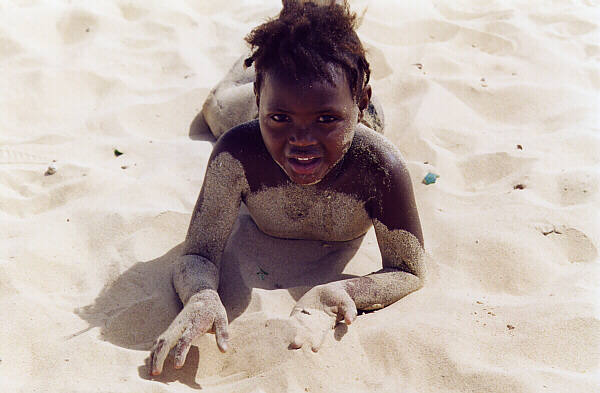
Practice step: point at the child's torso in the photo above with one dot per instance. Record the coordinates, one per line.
(335, 209)
(306, 212)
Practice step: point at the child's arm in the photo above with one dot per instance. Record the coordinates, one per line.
(400, 240)
(196, 273)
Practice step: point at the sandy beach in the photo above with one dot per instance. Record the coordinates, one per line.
(500, 99)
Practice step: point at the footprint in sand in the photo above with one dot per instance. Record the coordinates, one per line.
(432, 31)
(27, 191)
(455, 141)
(564, 25)
(409, 33)
(592, 50)
(10, 156)
(567, 188)
(578, 247)
(132, 13)
(76, 26)
(576, 187)
(472, 12)
(481, 170)
(8, 46)
(379, 64)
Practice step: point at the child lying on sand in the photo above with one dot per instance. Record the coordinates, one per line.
(306, 169)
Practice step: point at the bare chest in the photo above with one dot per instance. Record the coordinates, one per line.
(305, 212)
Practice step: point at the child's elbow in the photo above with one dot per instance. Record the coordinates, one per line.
(421, 275)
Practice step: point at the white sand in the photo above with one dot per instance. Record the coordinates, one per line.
(512, 304)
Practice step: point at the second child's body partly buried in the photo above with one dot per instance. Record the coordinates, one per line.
(306, 169)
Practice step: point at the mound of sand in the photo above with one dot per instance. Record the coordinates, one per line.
(498, 98)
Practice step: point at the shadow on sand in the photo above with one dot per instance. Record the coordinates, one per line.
(133, 310)
(200, 131)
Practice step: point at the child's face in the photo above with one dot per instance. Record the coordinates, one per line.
(307, 125)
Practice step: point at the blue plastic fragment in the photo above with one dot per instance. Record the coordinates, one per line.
(261, 273)
(430, 178)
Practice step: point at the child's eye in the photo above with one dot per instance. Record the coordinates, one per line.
(326, 119)
(279, 118)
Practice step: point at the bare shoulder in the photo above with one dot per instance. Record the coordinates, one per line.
(239, 141)
(245, 145)
(385, 181)
(374, 152)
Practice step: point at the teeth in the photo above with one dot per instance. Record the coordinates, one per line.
(304, 159)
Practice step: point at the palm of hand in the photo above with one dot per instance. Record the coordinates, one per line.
(318, 311)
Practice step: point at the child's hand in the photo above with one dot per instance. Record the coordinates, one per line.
(203, 313)
(318, 311)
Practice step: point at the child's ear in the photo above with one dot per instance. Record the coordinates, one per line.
(364, 100)
(257, 95)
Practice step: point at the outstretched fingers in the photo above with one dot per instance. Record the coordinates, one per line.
(348, 312)
(183, 347)
(158, 356)
(221, 332)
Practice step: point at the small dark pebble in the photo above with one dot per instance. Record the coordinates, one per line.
(510, 327)
(117, 153)
(124, 167)
(520, 147)
(519, 187)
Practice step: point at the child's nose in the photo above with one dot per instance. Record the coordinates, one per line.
(302, 137)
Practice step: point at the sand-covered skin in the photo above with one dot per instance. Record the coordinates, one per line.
(499, 99)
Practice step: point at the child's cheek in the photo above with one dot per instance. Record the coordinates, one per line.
(346, 134)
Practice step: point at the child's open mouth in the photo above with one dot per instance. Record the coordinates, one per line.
(304, 165)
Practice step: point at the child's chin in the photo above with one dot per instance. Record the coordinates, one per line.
(304, 180)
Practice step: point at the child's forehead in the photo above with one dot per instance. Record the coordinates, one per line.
(335, 77)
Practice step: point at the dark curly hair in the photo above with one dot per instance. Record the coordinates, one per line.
(304, 38)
